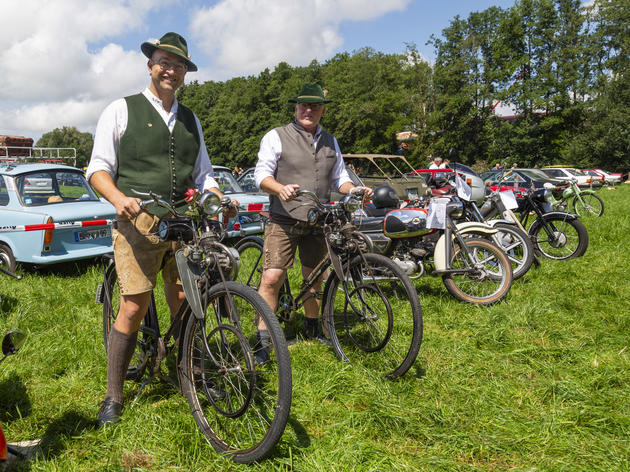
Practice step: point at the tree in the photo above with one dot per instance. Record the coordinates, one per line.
(69, 137)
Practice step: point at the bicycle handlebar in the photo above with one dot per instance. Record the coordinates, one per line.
(155, 199)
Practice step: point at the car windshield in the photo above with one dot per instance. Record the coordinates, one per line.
(227, 182)
(44, 188)
(535, 174)
(575, 172)
(463, 168)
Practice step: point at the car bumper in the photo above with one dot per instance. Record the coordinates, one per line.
(52, 258)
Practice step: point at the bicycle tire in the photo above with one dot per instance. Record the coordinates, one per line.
(368, 328)
(569, 239)
(147, 336)
(518, 247)
(240, 407)
(251, 268)
(485, 288)
(590, 205)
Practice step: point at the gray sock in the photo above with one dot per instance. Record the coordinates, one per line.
(120, 349)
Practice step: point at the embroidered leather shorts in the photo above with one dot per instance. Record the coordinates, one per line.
(281, 241)
(140, 255)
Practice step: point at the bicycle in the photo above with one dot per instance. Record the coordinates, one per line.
(362, 293)
(241, 407)
(582, 202)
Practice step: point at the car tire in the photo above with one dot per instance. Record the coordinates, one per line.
(7, 261)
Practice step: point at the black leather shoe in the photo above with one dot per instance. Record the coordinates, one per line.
(109, 413)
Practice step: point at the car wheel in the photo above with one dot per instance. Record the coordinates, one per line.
(7, 261)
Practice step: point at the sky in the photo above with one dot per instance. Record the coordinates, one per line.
(63, 61)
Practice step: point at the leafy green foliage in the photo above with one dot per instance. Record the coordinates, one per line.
(69, 137)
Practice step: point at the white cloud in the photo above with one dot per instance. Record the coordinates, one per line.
(53, 76)
(245, 36)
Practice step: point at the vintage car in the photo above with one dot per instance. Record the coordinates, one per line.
(251, 204)
(32, 194)
(524, 178)
(609, 178)
(569, 173)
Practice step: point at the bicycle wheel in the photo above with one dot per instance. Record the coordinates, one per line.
(562, 238)
(589, 205)
(488, 281)
(374, 316)
(517, 246)
(147, 335)
(242, 408)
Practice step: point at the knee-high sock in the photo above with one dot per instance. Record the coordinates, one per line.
(120, 349)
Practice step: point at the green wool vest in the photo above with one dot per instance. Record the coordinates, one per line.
(151, 158)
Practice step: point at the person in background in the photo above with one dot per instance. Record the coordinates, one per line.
(299, 155)
(436, 163)
(146, 142)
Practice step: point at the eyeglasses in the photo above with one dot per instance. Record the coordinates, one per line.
(166, 65)
(312, 106)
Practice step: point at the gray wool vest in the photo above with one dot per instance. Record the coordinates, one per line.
(300, 163)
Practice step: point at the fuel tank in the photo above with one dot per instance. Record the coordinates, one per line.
(406, 223)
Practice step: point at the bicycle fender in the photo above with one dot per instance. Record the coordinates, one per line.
(189, 274)
(469, 227)
(494, 222)
(563, 215)
(256, 239)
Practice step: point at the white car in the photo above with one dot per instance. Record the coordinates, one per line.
(569, 173)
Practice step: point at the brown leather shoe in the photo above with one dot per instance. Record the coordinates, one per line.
(109, 413)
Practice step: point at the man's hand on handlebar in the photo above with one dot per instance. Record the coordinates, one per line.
(288, 192)
(366, 192)
(127, 207)
(232, 210)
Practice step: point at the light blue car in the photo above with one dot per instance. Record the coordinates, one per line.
(50, 193)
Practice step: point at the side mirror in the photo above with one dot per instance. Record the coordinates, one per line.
(12, 342)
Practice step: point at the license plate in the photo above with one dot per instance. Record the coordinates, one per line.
(91, 234)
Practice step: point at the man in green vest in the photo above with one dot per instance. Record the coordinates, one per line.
(300, 155)
(146, 142)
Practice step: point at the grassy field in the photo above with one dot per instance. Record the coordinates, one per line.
(538, 382)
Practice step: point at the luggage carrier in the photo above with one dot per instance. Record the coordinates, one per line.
(22, 155)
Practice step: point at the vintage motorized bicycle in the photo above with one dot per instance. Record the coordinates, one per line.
(239, 405)
(11, 344)
(370, 308)
(579, 201)
(472, 267)
(555, 234)
(512, 237)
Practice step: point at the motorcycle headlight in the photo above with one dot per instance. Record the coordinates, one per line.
(210, 203)
(455, 208)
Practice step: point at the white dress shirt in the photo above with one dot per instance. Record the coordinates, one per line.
(271, 150)
(112, 125)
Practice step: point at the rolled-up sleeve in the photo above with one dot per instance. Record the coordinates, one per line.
(268, 154)
(203, 174)
(340, 174)
(110, 127)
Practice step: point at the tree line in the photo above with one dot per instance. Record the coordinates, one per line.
(562, 70)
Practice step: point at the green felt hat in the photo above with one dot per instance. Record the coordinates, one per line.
(171, 42)
(310, 93)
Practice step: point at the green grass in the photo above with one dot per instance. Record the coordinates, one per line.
(538, 382)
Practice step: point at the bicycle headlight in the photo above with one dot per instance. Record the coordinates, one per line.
(210, 203)
(351, 203)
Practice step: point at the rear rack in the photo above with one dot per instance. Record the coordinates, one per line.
(23, 155)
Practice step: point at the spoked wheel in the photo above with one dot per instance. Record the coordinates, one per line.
(589, 205)
(240, 406)
(562, 238)
(146, 345)
(517, 246)
(488, 281)
(374, 316)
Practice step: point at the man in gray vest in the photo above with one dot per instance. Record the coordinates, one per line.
(300, 155)
(146, 142)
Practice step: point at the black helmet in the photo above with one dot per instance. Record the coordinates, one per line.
(385, 197)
